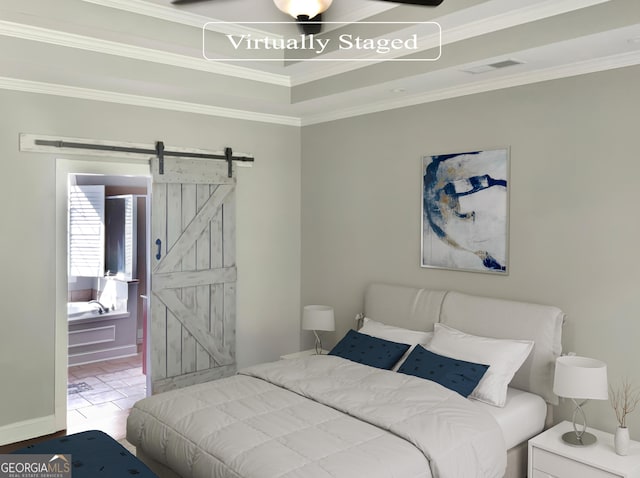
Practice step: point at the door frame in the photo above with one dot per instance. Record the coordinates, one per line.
(64, 167)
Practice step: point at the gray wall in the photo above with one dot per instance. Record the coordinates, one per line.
(268, 248)
(574, 219)
(575, 174)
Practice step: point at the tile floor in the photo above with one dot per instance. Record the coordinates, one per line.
(101, 394)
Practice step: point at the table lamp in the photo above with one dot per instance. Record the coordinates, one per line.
(318, 317)
(580, 379)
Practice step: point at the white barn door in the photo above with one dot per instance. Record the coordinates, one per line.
(193, 273)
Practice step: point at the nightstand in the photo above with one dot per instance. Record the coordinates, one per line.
(304, 353)
(550, 457)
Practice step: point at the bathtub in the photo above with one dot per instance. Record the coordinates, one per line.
(86, 310)
(94, 337)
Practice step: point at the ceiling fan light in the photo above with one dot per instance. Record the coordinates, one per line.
(296, 8)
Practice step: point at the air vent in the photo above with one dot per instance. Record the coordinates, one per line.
(505, 63)
(492, 66)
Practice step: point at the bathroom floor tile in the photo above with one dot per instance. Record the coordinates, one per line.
(84, 372)
(110, 377)
(115, 386)
(102, 397)
(135, 380)
(127, 403)
(99, 387)
(76, 401)
(111, 367)
(134, 390)
(74, 417)
(91, 380)
(99, 411)
(77, 387)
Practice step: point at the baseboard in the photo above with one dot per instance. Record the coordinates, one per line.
(102, 355)
(27, 429)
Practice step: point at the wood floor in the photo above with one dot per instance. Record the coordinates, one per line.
(16, 446)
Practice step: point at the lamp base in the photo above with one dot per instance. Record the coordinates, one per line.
(585, 439)
(318, 344)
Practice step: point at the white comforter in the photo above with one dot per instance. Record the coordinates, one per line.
(360, 422)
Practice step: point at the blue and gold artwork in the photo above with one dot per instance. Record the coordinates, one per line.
(465, 211)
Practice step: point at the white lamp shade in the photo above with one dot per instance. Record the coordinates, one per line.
(295, 8)
(318, 317)
(580, 377)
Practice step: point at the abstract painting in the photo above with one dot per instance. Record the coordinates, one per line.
(465, 211)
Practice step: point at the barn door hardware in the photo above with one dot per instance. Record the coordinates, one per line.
(159, 151)
(160, 156)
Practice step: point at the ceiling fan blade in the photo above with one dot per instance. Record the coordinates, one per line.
(184, 2)
(425, 3)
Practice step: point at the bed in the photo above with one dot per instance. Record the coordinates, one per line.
(330, 416)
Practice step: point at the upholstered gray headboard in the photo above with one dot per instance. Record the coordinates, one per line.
(419, 309)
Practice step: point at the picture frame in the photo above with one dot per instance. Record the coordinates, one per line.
(465, 211)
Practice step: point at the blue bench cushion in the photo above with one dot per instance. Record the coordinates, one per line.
(93, 454)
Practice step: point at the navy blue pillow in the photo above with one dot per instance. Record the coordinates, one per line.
(369, 350)
(456, 375)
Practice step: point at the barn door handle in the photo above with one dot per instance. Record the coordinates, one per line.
(159, 253)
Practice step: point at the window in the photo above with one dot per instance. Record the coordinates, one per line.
(86, 231)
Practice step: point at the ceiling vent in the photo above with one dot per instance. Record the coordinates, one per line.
(492, 66)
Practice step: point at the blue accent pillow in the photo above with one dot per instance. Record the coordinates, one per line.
(456, 375)
(369, 350)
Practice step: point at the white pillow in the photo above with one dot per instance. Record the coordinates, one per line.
(395, 334)
(503, 356)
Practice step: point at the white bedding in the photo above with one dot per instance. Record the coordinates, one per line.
(521, 418)
(360, 421)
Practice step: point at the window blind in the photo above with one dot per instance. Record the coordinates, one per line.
(86, 231)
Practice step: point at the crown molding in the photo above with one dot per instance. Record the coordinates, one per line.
(29, 86)
(299, 74)
(579, 68)
(310, 72)
(72, 40)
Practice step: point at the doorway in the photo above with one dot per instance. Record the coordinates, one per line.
(100, 316)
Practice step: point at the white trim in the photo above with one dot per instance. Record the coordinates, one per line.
(458, 33)
(306, 72)
(102, 355)
(582, 68)
(27, 429)
(81, 42)
(91, 356)
(144, 101)
(95, 342)
(589, 66)
(64, 167)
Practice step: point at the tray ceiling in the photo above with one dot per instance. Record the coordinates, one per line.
(150, 53)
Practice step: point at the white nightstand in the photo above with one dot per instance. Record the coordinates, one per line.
(304, 353)
(550, 457)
